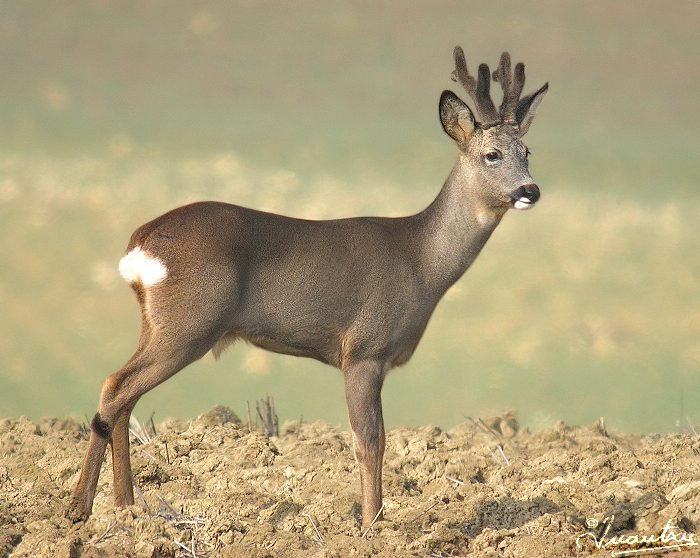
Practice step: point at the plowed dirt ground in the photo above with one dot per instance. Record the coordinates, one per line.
(210, 487)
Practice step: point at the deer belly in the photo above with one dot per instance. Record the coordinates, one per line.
(287, 345)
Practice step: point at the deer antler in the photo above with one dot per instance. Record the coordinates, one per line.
(478, 90)
(512, 85)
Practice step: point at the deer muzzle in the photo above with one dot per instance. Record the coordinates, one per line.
(525, 197)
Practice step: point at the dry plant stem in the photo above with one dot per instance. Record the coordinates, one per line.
(176, 518)
(137, 430)
(153, 426)
(320, 540)
(496, 458)
(601, 425)
(172, 511)
(500, 449)
(265, 409)
(480, 424)
(369, 527)
(488, 429)
(142, 499)
(493, 454)
(260, 415)
(186, 548)
(140, 448)
(103, 536)
(426, 510)
(6, 479)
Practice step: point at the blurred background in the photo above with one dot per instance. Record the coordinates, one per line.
(113, 112)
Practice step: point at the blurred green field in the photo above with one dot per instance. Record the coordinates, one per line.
(112, 113)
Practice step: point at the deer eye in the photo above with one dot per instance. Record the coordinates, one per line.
(493, 156)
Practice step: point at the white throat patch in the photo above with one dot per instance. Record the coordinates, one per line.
(486, 218)
(523, 203)
(139, 266)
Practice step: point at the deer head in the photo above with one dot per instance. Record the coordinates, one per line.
(493, 157)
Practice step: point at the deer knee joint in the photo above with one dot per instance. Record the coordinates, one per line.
(100, 427)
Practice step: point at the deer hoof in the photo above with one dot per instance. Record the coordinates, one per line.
(76, 512)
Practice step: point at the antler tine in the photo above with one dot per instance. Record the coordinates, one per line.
(519, 83)
(479, 90)
(512, 85)
(502, 73)
(461, 74)
(483, 93)
(516, 88)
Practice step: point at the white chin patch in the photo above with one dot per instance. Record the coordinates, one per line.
(139, 266)
(523, 203)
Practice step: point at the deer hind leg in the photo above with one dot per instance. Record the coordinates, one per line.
(363, 385)
(121, 461)
(100, 436)
(167, 351)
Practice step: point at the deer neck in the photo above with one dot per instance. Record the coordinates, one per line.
(454, 229)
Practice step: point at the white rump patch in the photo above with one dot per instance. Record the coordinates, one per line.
(139, 266)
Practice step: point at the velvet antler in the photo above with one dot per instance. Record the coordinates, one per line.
(512, 85)
(478, 90)
(513, 110)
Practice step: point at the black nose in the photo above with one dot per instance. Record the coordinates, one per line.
(530, 192)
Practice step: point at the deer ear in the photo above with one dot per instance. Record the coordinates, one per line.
(527, 107)
(456, 117)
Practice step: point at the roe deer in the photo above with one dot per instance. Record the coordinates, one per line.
(353, 293)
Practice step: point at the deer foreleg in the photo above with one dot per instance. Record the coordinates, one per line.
(363, 385)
